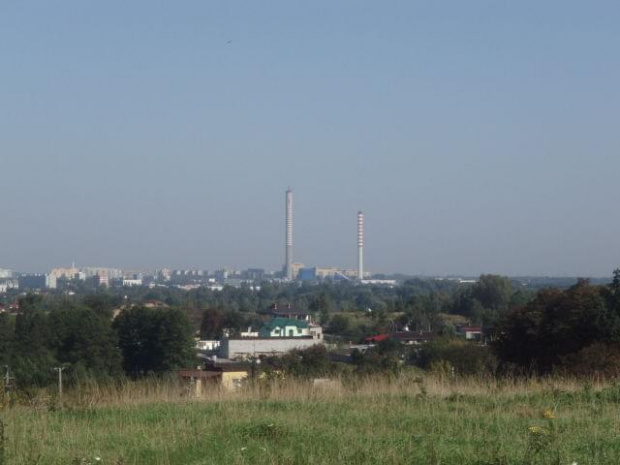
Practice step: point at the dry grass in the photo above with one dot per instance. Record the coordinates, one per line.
(92, 394)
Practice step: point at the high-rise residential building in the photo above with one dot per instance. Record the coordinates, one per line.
(65, 273)
(102, 280)
(37, 282)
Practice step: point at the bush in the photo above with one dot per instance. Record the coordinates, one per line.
(465, 357)
(312, 362)
(598, 359)
(384, 359)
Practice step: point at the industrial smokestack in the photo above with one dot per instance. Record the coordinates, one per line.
(288, 252)
(360, 245)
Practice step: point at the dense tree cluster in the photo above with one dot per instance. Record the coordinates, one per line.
(154, 340)
(84, 339)
(577, 329)
(351, 311)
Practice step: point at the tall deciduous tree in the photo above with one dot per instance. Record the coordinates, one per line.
(554, 325)
(84, 338)
(155, 340)
(32, 358)
(493, 291)
(212, 324)
(6, 339)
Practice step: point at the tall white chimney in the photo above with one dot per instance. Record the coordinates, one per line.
(360, 245)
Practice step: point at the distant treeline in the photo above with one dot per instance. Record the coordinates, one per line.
(573, 330)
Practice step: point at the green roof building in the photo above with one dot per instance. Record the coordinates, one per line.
(285, 327)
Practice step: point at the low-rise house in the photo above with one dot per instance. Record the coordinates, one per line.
(232, 373)
(155, 304)
(198, 380)
(131, 282)
(228, 375)
(471, 333)
(275, 337)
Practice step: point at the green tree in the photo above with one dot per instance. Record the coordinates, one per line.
(385, 358)
(493, 292)
(339, 325)
(155, 340)
(32, 359)
(84, 339)
(102, 303)
(306, 363)
(465, 358)
(322, 303)
(6, 339)
(212, 324)
(554, 325)
(423, 310)
(611, 319)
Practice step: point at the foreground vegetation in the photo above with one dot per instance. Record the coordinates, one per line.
(524, 398)
(364, 421)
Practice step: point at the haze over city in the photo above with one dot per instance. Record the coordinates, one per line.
(477, 137)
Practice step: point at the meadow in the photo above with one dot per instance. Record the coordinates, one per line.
(405, 420)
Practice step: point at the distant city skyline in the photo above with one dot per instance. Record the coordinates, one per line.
(477, 137)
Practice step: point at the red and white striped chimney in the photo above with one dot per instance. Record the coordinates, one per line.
(288, 239)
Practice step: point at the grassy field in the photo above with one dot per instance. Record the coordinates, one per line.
(404, 421)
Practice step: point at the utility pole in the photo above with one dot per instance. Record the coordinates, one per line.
(59, 370)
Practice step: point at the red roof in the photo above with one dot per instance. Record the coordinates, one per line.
(403, 336)
(378, 338)
(471, 328)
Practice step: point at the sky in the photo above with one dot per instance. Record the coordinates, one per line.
(477, 137)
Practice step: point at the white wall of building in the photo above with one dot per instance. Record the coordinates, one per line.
(245, 348)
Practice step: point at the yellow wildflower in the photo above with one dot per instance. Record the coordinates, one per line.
(537, 430)
(548, 414)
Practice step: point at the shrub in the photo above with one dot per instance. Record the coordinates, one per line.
(306, 363)
(598, 359)
(465, 357)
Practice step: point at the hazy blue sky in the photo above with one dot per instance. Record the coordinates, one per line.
(477, 136)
